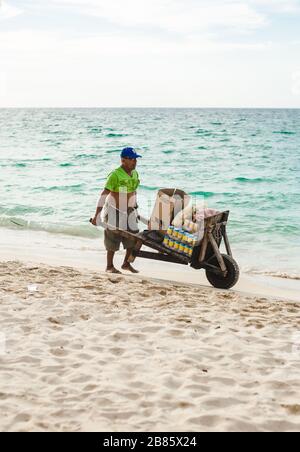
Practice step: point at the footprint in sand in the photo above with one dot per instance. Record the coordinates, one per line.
(185, 405)
(81, 379)
(114, 415)
(85, 317)
(54, 321)
(226, 296)
(86, 286)
(4, 396)
(183, 319)
(292, 409)
(84, 357)
(176, 332)
(131, 395)
(59, 352)
(22, 417)
(90, 388)
(221, 402)
(117, 351)
(172, 383)
(42, 425)
(118, 336)
(29, 360)
(225, 381)
(115, 280)
(202, 389)
(151, 329)
(205, 421)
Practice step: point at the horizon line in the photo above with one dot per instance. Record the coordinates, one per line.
(146, 108)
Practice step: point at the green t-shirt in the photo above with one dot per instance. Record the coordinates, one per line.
(119, 181)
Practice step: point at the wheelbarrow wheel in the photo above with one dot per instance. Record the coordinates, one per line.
(220, 281)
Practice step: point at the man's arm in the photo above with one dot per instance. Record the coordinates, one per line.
(100, 205)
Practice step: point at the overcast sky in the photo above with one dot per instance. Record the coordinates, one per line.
(150, 53)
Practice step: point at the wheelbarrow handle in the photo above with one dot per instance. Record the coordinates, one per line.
(91, 221)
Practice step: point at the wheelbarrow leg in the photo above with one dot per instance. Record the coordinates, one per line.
(227, 244)
(217, 252)
(136, 249)
(203, 248)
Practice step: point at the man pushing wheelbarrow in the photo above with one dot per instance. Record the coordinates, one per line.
(177, 231)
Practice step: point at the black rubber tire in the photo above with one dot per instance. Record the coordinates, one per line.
(232, 277)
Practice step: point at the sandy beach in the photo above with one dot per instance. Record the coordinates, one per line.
(84, 351)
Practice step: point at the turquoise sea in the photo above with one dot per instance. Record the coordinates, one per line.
(53, 164)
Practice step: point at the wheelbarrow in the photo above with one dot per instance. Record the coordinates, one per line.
(222, 271)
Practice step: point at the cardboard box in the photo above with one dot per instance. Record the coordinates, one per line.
(169, 202)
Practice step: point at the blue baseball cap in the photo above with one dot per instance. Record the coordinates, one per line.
(129, 153)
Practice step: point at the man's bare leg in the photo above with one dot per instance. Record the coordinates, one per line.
(126, 265)
(110, 263)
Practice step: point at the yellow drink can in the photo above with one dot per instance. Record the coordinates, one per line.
(180, 235)
(186, 249)
(171, 243)
(170, 231)
(175, 233)
(181, 248)
(176, 246)
(183, 237)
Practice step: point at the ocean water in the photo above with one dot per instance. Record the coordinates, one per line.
(53, 164)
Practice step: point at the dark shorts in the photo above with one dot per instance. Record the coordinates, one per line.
(112, 239)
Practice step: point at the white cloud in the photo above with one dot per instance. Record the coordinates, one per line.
(173, 15)
(45, 69)
(7, 11)
(277, 6)
(193, 63)
(30, 44)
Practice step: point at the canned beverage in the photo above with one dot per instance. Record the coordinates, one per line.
(171, 244)
(193, 240)
(175, 233)
(184, 237)
(176, 246)
(190, 251)
(186, 249)
(170, 231)
(166, 241)
(181, 248)
(180, 235)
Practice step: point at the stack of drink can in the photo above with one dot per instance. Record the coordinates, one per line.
(180, 240)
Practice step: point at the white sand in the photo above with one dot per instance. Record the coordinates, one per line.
(90, 352)
(85, 254)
